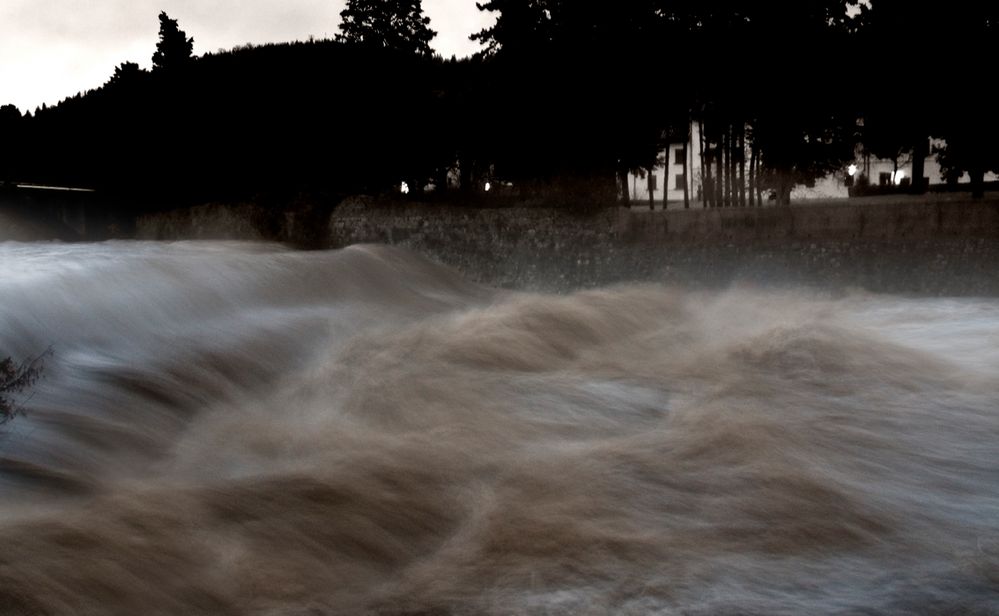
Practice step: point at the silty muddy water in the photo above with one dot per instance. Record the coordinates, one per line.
(238, 428)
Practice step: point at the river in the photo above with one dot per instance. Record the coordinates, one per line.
(238, 428)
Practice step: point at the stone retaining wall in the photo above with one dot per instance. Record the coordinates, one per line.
(937, 246)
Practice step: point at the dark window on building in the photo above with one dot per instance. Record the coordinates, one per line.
(884, 178)
(681, 179)
(678, 155)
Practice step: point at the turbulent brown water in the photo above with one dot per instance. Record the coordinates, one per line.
(233, 428)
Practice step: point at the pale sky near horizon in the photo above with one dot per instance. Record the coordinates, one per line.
(52, 49)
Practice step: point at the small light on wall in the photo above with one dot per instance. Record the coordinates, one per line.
(404, 188)
(852, 170)
(488, 186)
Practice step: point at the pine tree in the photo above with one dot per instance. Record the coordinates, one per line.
(124, 74)
(521, 28)
(393, 24)
(175, 48)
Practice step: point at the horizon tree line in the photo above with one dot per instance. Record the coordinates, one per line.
(566, 98)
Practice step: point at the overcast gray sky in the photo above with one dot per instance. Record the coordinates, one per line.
(51, 49)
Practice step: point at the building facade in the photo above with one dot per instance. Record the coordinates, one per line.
(666, 180)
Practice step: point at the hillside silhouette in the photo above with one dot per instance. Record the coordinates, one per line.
(566, 99)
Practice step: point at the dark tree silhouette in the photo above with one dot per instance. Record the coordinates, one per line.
(15, 379)
(898, 116)
(174, 48)
(393, 24)
(522, 27)
(125, 75)
(775, 110)
(918, 98)
(564, 101)
(11, 132)
(9, 114)
(888, 135)
(966, 46)
(561, 113)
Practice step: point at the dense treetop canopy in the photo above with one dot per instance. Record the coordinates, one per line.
(573, 94)
(393, 24)
(174, 48)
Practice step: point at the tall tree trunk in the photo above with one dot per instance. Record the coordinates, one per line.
(742, 164)
(726, 161)
(733, 189)
(761, 173)
(759, 184)
(652, 192)
(919, 153)
(784, 186)
(752, 177)
(687, 156)
(727, 165)
(709, 182)
(719, 170)
(977, 175)
(465, 176)
(622, 176)
(440, 181)
(704, 166)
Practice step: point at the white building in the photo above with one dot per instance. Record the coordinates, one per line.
(669, 176)
(882, 172)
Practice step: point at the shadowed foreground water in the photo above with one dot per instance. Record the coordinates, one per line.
(238, 429)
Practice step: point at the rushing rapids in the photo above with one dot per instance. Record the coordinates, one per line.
(229, 428)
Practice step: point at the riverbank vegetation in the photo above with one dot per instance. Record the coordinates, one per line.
(15, 380)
